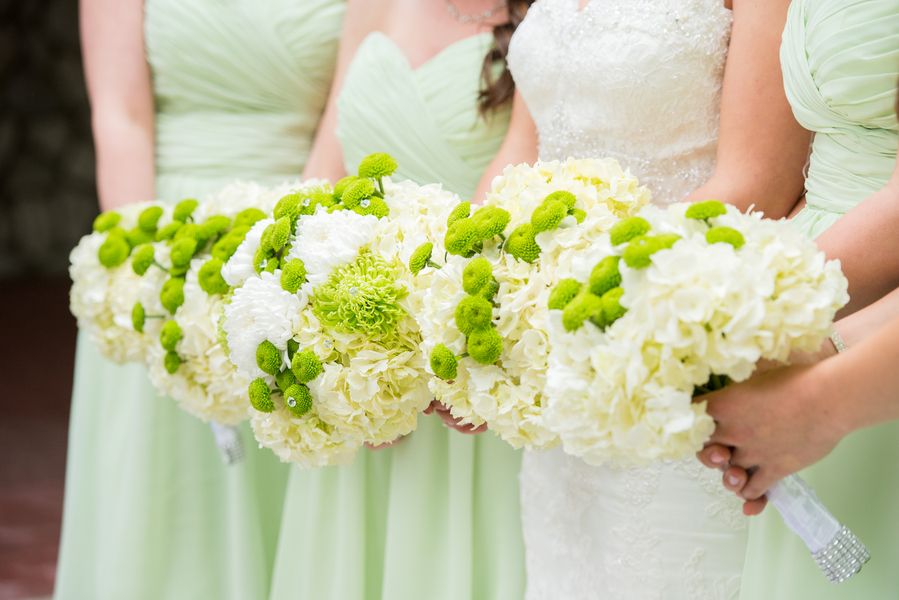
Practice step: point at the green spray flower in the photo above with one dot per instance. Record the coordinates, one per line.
(298, 399)
(285, 379)
(342, 184)
(183, 251)
(275, 236)
(137, 236)
(628, 229)
(548, 215)
(228, 244)
(261, 396)
(583, 307)
(461, 211)
(315, 199)
(605, 275)
(490, 221)
(476, 274)
(421, 258)
(726, 235)
(289, 206)
(489, 290)
(114, 251)
(638, 253)
(485, 345)
(138, 317)
(171, 361)
(106, 221)
(579, 215)
(374, 206)
(444, 363)
(461, 237)
(210, 277)
(522, 244)
(377, 165)
(184, 209)
(149, 218)
(293, 275)
(306, 366)
(248, 217)
(564, 292)
(268, 358)
(167, 232)
(357, 191)
(215, 226)
(563, 196)
(611, 305)
(172, 294)
(142, 259)
(473, 312)
(170, 335)
(703, 211)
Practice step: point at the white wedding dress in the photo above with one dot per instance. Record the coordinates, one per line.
(639, 81)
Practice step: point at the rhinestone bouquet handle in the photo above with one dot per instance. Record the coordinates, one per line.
(838, 552)
(228, 441)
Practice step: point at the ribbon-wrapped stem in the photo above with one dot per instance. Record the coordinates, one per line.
(227, 439)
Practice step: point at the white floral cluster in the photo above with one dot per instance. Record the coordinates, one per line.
(702, 309)
(352, 315)
(509, 394)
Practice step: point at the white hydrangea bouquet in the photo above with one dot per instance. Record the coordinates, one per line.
(679, 301)
(484, 314)
(321, 319)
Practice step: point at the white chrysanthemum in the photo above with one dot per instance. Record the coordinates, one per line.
(240, 267)
(509, 395)
(260, 311)
(306, 441)
(325, 241)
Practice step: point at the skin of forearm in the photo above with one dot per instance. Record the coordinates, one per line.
(125, 161)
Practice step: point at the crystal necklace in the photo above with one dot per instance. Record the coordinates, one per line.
(467, 19)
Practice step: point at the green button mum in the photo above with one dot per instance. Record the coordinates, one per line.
(172, 294)
(476, 274)
(357, 191)
(473, 313)
(704, 211)
(725, 235)
(490, 221)
(298, 399)
(170, 335)
(638, 253)
(306, 366)
(138, 317)
(421, 258)
(268, 358)
(168, 231)
(611, 305)
(285, 379)
(548, 215)
(149, 217)
(248, 217)
(183, 251)
(583, 307)
(628, 229)
(522, 244)
(485, 345)
(142, 258)
(106, 221)
(461, 211)
(171, 361)
(461, 237)
(184, 209)
(377, 165)
(210, 277)
(114, 251)
(605, 275)
(563, 196)
(444, 363)
(261, 396)
(215, 226)
(564, 292)
(293, 275)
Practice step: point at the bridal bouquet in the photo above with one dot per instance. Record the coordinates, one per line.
(484, 315)
(671, 302)
(321, 320)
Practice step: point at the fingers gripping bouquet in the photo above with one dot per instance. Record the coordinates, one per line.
(321, 320)
(676, 301)
(484, 313)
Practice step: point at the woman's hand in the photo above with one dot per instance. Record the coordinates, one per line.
(441, 410)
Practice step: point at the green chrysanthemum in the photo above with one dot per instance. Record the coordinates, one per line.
(461, 211)
(374, 206)
(228, 244)
(627, 229)
(149, 218)
(579, 215)
(142, 258)
(289, 206)
(268, 358)
(703, 211)
(485, 345)
(315, 199)
(611, 305)
(638, 253)
(106, 221)
(476, 274)
(260, 396)
(605, 275)
(275, 236)
(285, 379)
(444, 363)
(342, 184)
(167, 232)
(137, 236)
(172, 294)
(490, 221)
(215, 226)
(360, 297)
(357, 191)
(190, 231)
(179, 270)
(292, 347)
(171, 361)
(261, 258)
(421, 258)
(293, 275)
(170, 335)
(184, 209)
(210, 277)
(183, 251)
(248, 217)
(473, 312)
(522, 244)
(547, 216)
(114, 251)
(564, 292)
(563, 196)
(377, 165)
(490, 289)
(583, 307)
(461, 237)
(138, 317)
(298, 399)
(306, 366)
(726, 235)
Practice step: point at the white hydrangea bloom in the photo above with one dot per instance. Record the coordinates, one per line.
(306, 441)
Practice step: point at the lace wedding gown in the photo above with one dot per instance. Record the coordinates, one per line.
(639, 81)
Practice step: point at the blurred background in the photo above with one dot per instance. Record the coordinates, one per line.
(47, 201)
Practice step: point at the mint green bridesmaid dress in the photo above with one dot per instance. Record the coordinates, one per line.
(151, 512)
(436, 516)
(841, 66)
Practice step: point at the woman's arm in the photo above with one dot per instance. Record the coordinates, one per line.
(121, 97)
(761, 147)
(519, 146)
(326, 157)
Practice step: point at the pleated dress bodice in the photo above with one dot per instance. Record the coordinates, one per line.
(426, 117)
(239, 87)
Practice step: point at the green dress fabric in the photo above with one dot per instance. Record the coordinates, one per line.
(151, 511)
(435, 516)
(841, 66)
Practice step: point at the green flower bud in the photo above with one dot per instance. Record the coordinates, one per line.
(285, 379)
(171, 362)
(421, 257)
(342, 184)
(726, 235)
(288, 206)
(473, 313)
(611, 305)
(271, 266)
(306, 366)
(703, 211)
(276, 235)
(149, 217)
(476, 275)
(490, 221)
(114, 251)
(137, 236)
(215, 226)
(261, 396)
(462, 210)
(522, 244)
(106, 221)
(210, 277)
(563, 196)
(638, 253)
(168, 231)
(627, 229)
(547, 216)
(228, 243)
(268, 358)
(564, 292)
(142, 258)
(373, 206)
(461, 237)
(293, 276)
(248, 217)
(444, 363)
(138, 317)
(170, 335)
(485, 345)
(183, 251)
(605, 275)
(583, 307)
(357, 191)
(377, 165)
(298, 399)
(184, 209)
(579, 215)
(172, 294)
